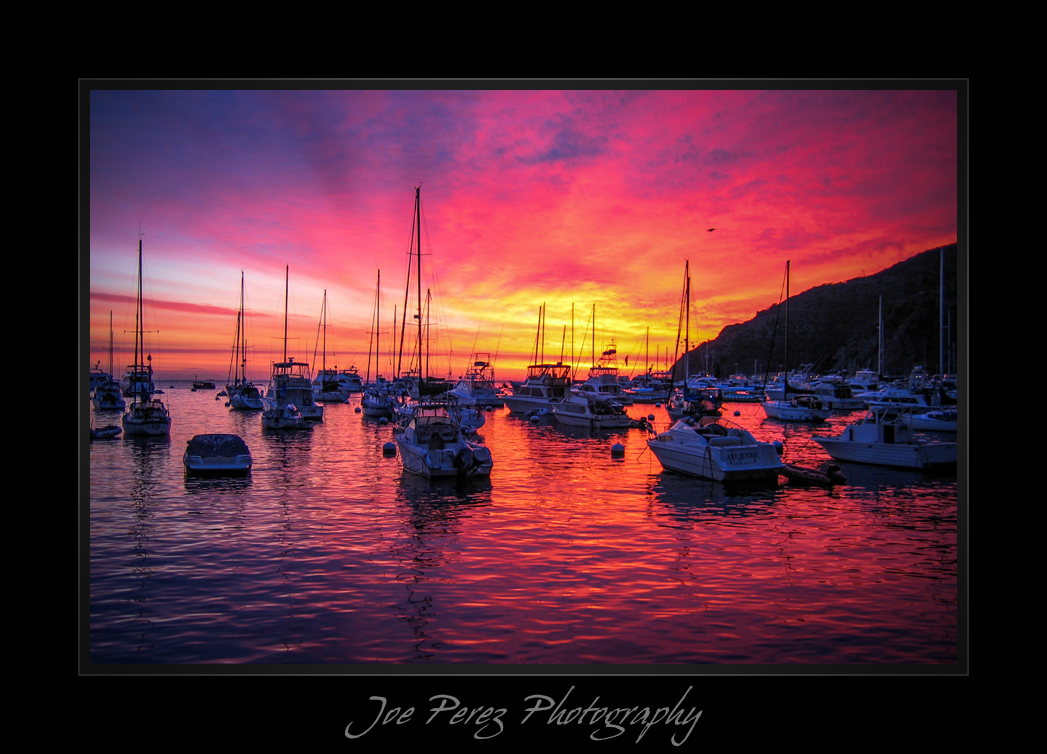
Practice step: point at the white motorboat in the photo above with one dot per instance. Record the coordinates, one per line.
(378, 401)
(350, 380)
(546, 383)
(864, 381)
(714, 448)
(884, 438)
(147, 415)
(477, 388)
(243, 395)
(217, 454)
(95, 375)
(583, 410)
(290, 385)
(108, 397)
(836, 396)
(650, 387)
(602, 381)
(939, 420)
(283, 416)
(431, 443)
(327, 388)
(799, 408)
(545, 386)
(138, 380)
(919, 401)
(469, 418)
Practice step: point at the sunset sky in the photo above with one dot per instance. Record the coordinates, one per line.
(528, 197)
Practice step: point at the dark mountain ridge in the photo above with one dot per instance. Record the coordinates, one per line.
(834, 327)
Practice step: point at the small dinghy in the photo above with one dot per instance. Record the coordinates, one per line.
(105, 433)
(828, 476)
(224, 454)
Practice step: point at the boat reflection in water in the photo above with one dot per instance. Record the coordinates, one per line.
(329, 552)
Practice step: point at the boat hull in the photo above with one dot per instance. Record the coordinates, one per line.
(281, 418)
(146, 427)
(901, 455)
(934, 421)
(468, 460)
(787, 412)
(523, 404)
(741, 463)
(595, 422)
(244, 403)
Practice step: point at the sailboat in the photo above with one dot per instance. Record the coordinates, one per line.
(377, 400)
(431, 437)
(418, 381)
(147, 415)
(289, 400)
(799, 408)
(326, 385)
(243, 395)
(688, 400)
(107, 395)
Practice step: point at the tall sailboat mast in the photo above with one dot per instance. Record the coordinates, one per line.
(111, 375)
(243, 332)
(418, 224)
(786, 393)
(138, 308)
(287, 291)
(687, 325)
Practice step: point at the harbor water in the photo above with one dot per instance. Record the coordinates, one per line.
(328, 552)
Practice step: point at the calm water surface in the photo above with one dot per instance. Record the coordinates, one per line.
(329, 553)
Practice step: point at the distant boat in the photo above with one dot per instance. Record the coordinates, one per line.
(884, 438)
(546, 384)
(326, 386)
(203, 385)
(95, 375)
(217, 454)
(940, 420)
(836, 396)
(106, 394)
(580, 409)
(714, 448)
(602, 380)
(147, 415)
(477, 388)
